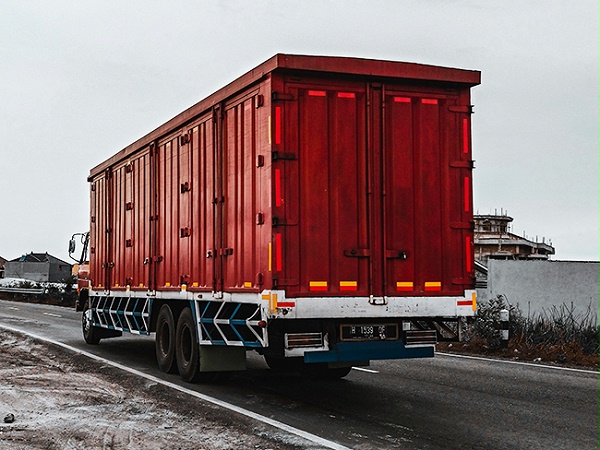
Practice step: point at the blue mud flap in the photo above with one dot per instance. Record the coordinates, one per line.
(368, 350)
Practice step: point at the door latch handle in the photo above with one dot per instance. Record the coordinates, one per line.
(395, 254)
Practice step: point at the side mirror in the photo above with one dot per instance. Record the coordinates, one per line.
(71, 246)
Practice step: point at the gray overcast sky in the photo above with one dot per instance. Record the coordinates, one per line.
(80, 80)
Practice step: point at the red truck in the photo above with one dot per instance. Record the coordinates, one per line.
(317, 210)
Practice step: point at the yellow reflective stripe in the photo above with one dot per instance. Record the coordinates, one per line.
(348, 284)
(433, 285)
(474, 300)
(273, 303)
(270, 252)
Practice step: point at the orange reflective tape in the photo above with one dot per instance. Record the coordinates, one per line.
(273, 302)
(317, 93)
(433, 285)
(270, 256)
(348, 285)
(404, 286)
(269, 128)
(317, 285)
(346, 95)
(402, 99)
(429, 101)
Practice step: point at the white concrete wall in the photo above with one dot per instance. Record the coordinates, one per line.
(535, 286)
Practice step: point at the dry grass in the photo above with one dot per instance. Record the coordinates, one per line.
(559, 336)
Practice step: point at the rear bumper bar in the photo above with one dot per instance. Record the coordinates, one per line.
(368, 350)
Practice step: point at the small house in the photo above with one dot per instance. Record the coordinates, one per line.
(40, 267)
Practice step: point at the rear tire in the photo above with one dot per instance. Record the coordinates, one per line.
(91, 334)
(187, 349)
(165, 340)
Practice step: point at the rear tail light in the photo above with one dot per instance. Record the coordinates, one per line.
(303, 340)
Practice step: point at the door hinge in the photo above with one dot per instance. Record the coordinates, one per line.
(260, 100)
(185, 187)
(468, 109)
(462, 225)
(357, 252)
(184, 139)
(395, 254)
(277, 222)
(281, 156)
(278, 97)
(470, 164)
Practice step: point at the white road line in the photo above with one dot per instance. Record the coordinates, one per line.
(13, 308)
(569, 369)
(365, 370)
(282, 426)
(53, 315)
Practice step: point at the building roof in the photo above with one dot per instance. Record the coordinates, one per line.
(41, 258)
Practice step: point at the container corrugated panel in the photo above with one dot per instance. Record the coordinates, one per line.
(320, 176)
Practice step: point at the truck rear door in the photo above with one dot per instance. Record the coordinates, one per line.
(366, 203)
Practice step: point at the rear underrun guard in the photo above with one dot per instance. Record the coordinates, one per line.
(368, 350)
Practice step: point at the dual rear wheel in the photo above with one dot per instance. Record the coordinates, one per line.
(176, 346)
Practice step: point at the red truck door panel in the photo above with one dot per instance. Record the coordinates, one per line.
(238, 249)
(322, 210)
(367, 204)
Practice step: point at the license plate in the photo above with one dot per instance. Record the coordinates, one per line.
(369, 332)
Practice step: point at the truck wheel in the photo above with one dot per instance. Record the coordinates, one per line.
(187, 350)
(91, 334)
(165, 340)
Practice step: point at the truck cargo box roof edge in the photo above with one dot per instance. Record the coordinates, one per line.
(330, 64)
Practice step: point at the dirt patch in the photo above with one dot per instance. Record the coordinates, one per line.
(64, 401)
(564, 355)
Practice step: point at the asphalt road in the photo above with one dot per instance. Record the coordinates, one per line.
(440, 403)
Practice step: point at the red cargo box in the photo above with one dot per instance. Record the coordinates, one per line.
(316, 176)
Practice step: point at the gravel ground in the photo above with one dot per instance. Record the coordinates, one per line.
(65, 401)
